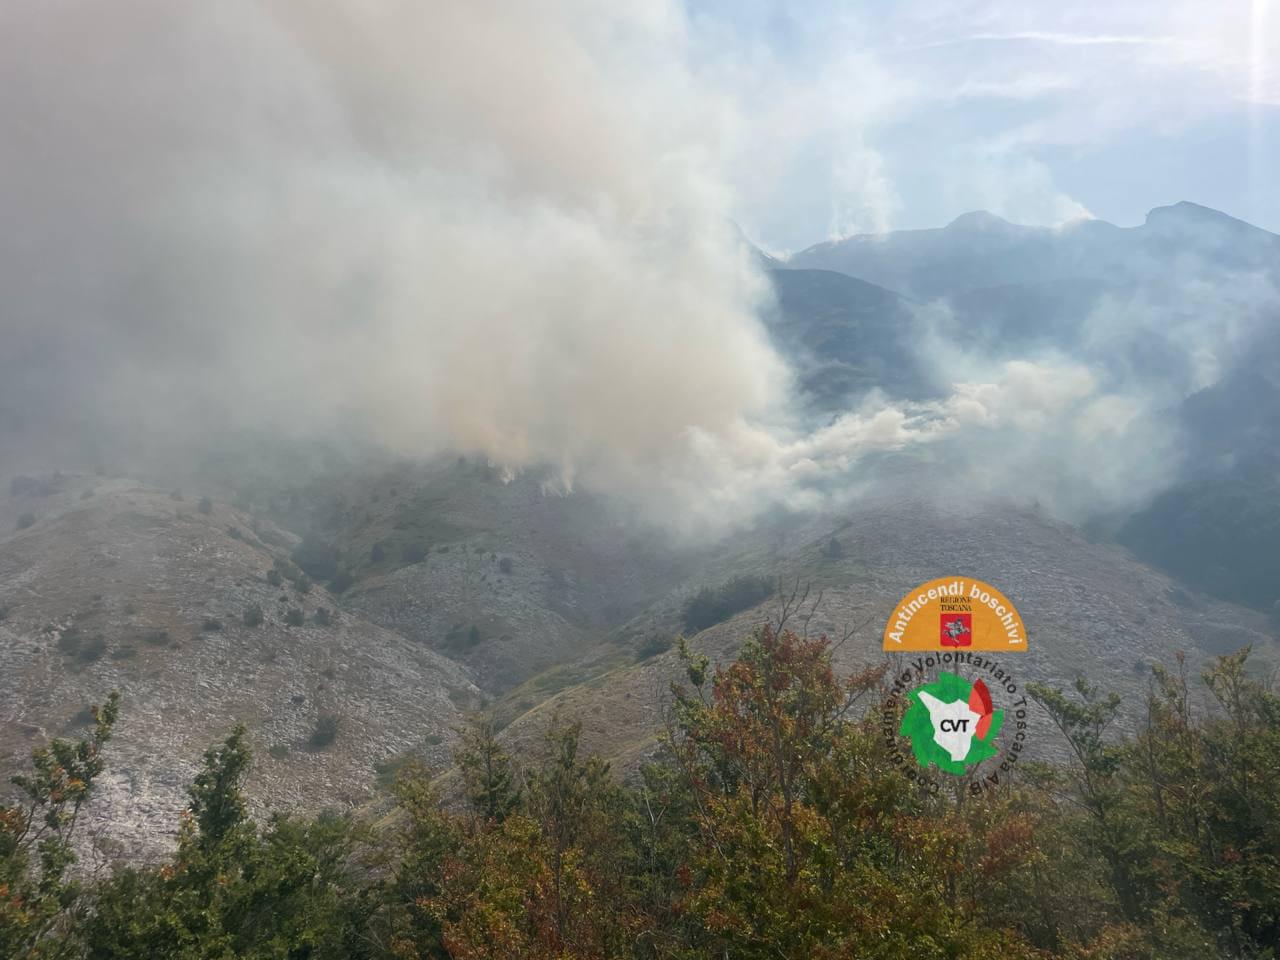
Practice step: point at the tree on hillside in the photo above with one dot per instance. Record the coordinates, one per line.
(404, 918)
(40, 899)
(772, 823)
(1208, 797)
(232, 890)
(486, 771)
(1096, 784)
(551, 879)
(810, 843)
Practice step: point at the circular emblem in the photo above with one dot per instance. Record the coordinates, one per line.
(955, 703)
(951, 723)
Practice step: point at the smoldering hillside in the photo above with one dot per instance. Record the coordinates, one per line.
(241, 227)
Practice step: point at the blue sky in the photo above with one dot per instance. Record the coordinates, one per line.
(880, 115)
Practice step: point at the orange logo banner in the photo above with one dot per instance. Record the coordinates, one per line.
(955, 613)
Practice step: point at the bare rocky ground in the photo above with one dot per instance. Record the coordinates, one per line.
(111, 585)
(541, 577)
(118, 587)
(1090, 610)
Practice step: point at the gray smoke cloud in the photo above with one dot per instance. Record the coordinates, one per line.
(484, 226)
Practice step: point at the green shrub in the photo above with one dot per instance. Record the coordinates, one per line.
(205, 505)
(26, 520)
(288, 569)
(211, 625)
(325, 732)
(123, 653)
(322, 617)
(712, 605)
(460, 638)
(414, 552)
(303, 583)
(341, 582)
(278, 751)
(92, 650)
(294, 617)
(387, 770)
(274, 578)
(157, 638)
(69, 641)
(317, 558)
(653, 645)
(505, 565)
(834, 549)
(234, 533)
(378, 553)
(253, 616)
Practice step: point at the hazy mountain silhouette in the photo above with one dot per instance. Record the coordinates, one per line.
(980, 250)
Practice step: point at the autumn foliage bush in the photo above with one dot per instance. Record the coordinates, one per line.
(771, 824)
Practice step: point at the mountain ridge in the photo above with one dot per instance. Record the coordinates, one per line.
(927, 263)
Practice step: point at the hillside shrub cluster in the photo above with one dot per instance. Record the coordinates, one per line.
(712, 605)
(772, 825)
(317, 558)
(325, 732)
(83, 649)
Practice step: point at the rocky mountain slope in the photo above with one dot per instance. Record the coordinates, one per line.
(1180, 315)
(504, 574)
(110, 586)
(434, 589)
(845, 336)
(1090, 609)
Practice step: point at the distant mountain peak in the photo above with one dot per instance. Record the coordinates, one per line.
(1186, 213)
(979, 220)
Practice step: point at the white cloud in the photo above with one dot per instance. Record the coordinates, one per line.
(848, 104)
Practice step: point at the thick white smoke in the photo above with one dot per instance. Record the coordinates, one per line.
(487, 226)
(475, 225)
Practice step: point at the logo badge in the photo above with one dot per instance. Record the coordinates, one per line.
(953, 708)
(955, 613)
(951, 723)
